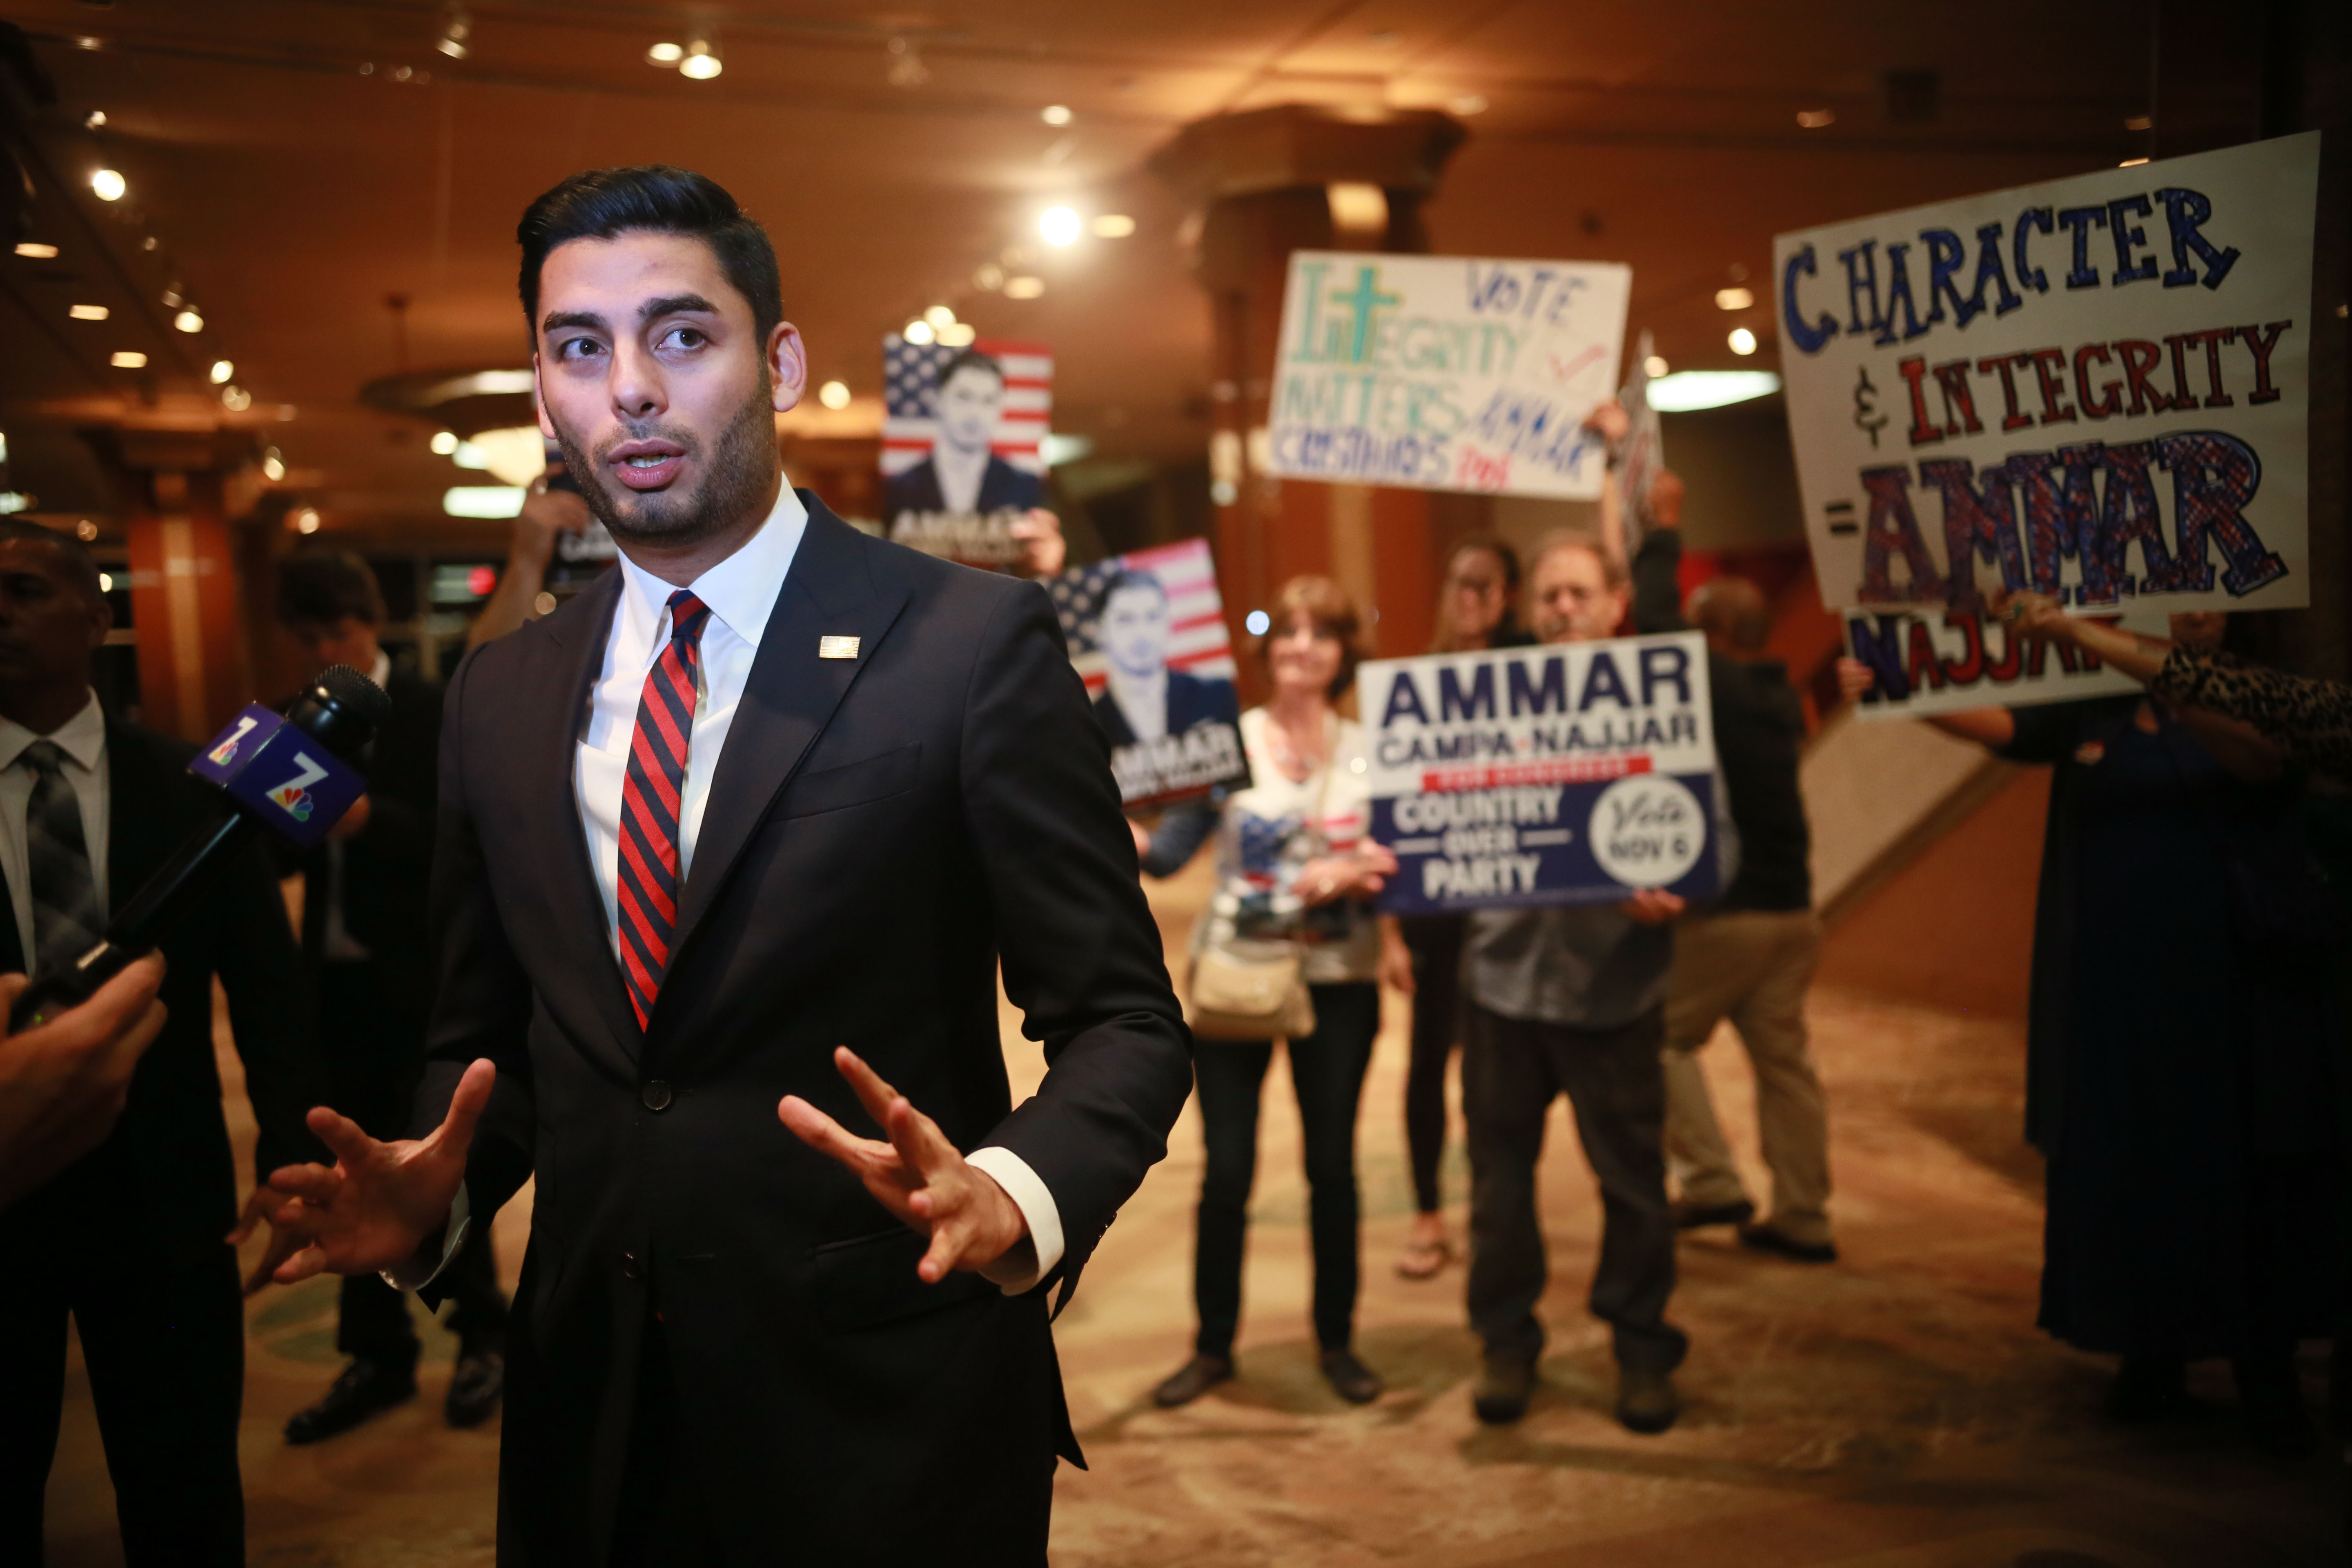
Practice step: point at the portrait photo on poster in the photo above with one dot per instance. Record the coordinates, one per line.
(1568, 773)
(962, 444)
(1146, 633)
(2096, 388)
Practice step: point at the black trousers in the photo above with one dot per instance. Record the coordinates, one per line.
(1435, 943)
(165, 1351)
(372, 1034)
(1511, 1071)
(1327, 1069)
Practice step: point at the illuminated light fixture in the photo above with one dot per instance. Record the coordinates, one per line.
(1654, 366)
(273, 466)
(1358, 207)
(940, 316)
(36, 250)
(2131, 163)
(468, 456)
(455, 32)
(443, 442)
(512, 454)
(701, 62)
(1023, 287)
(86, 312)
(94, 120)
(306, 521)
(990, 277)
(1467, 103)
(958, 335)
(1742, 341)
(151, 243)
(1688, 391)
(171, 297)
(87, 42)
(1256, 621)
(85, 531)
(834, 394)
(1058, 226)
(2140, 122)
(664, 54)
(1814, 119)
(1055, 449)
(483, 500)
(1056, 114)
(128, 359)
(1113, 226)
(1733, 299)
(105, 579)
(4, 446)
(12, 501)
(221, 370)
(917, 331)
(189, 320)
(236, 399)
(108, 183)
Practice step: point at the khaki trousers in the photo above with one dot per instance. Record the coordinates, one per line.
(1752, 966)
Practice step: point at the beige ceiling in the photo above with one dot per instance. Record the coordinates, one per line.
(293, 182)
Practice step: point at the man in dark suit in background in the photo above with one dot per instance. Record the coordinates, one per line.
(365, 948)
(769, 801)
(127, 1240)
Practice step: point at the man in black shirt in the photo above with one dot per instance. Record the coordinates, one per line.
(1750, 956)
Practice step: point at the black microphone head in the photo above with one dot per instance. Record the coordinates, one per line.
(343, 708)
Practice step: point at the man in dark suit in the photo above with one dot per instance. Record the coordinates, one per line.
(371, 966)
(964, 473)
(127, 1240)
(767, 802)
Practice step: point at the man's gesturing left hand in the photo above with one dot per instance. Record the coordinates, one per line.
(918, 1176)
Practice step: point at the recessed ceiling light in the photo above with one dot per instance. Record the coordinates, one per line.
(455, 35)
(940, 316)
(36, 249)
(85, 531)
(236, 399)
(1113, 226)
(306, 521)
(701, 62)
(94, 120)
(443, 442)
(1058, 226)
(273, 466)
(189, 320)
(1023, 287)
(1814, 119)
(1733, 299)
(128, 359)
(1056, 114)
(108, 184)
(834, 394)
(958, 335)
(221, 370)
(86, 312)
(1687, 390)
(917, 331)
(666, 54)
(87, 42)
(1654, 366)
(1742, 341)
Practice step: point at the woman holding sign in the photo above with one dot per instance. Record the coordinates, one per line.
(1289, 946)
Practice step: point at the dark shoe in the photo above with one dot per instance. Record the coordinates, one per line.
(359, 1391)
(1764, 1238)
(1646, 1401)
(1192, 1380)
(2148, 1388)
(475, 1386)
(2270, 1399)
(1504, 1387)
(1690, 1216)
(1350, 1379)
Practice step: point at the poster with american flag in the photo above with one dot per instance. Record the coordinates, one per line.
(1146, 633)
(963, 437)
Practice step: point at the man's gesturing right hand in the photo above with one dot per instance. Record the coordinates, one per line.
(382, 1200)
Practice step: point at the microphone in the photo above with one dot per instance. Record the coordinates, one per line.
(289, 774)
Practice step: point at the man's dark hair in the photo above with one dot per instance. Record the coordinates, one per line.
(659, 199)
(1134, 577)
(72, 552)
(320, 587)
(968, 359)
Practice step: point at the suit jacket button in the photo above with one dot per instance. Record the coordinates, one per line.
(655, 1094)
(630, 1268)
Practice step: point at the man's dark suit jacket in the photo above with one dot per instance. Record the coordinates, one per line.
(880, 831)
(161, 1190)
(1001, 486)
(387, 867)
(1191, 701)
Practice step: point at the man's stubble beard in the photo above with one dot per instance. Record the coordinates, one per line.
(743, 470)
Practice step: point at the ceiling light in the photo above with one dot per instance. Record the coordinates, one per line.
(1114, 226)
(1814, 119)
(468, 456)
(443, 442)
(2138, 123)
(1687, 390)
(1257, 621)
(36, 250)
(13, 502)
(94, 120)
(1742, 341)
(128, 359)
(1056, 114)
(273, 466)
(2131, 163)
(455, 33)
(1058, 226)
(483, 500)
(834, 394)
(86, 312)
(1733, 299)
(701, 62)
(1468, 103)
(236, 399)
(990, 277)
(85, 531)
(664, 54)
(940, 316)
(106, 581)
(150, 243)
(958, 335)
(221, 370)
(87, 42)
(306, 521)
(108, 184)
(1654, 366)
(1023, 287)
(917, 332)
(172, 301)
(512, 454)
(189, 320)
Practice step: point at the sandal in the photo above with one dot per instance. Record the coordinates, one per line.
(1425, 1259)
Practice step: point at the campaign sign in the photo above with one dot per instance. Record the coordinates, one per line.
(1442, 373)
(962, 444)
(1147, 632)
(2096, 388)
(1941, 661)
(282, 775)
(1575, 773)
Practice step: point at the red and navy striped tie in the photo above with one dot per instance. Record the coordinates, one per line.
(650, 805)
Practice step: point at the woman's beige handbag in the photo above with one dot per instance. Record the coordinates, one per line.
(1248, 990)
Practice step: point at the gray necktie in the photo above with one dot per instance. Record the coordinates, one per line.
(66, 922)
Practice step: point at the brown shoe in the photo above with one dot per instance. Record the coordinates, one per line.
(1192, 1380)
(1350, 1379)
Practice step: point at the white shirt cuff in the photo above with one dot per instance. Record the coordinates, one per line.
(1019, 1270)
(414, 1275)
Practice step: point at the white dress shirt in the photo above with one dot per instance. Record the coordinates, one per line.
(740, 591)
(82, 739)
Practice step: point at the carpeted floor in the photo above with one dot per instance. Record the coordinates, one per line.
(1897, 1410)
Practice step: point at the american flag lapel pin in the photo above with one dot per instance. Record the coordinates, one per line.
(836, 647)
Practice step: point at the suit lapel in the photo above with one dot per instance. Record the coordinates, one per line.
(789, 696)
